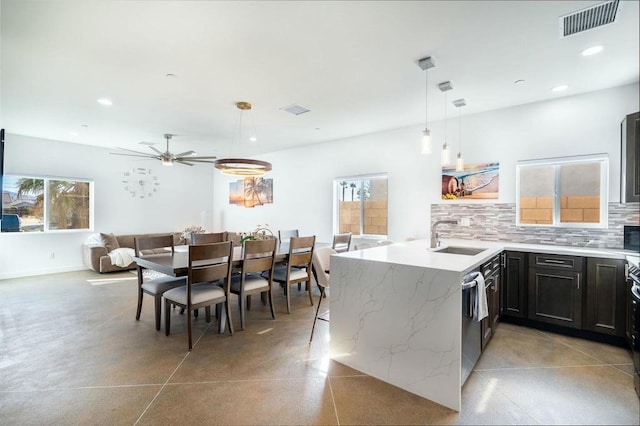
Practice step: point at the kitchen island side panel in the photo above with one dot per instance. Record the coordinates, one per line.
(400, 324)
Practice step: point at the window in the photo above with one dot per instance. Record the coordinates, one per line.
(362, 205)
(38, 204)
(567, 192)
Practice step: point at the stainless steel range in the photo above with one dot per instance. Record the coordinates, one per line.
(633, 318)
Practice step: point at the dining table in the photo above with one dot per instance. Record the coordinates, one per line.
(176, 264)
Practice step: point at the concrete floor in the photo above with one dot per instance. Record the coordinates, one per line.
(71, 352)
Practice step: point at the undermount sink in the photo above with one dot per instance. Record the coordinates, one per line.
(467, 251)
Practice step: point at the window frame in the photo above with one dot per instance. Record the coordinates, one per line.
(336, 203)
(46, 200)
(557, 163)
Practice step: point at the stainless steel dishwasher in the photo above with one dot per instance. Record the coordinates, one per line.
(471, 332)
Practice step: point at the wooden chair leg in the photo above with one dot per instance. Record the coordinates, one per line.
(240, 297)
(299, 287)
(227, 308)
(288, 301)
(315, 319)
(139, 310)
(158, 300)
(167, 318)
(273, 312)
(263, 298)
(248, 302)
(308, 286)
(189, 327)
(207, 313)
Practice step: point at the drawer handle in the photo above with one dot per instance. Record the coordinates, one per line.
(578, 280)
(559, 262)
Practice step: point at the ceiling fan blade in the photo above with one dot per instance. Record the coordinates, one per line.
(210, 157)
(183, 162)
(184, 154)
(150, 157)
(156, 150)
(196, 160)
(137, 152)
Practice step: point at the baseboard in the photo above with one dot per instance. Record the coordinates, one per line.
(44, 271)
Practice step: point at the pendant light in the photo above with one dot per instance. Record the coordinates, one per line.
(459, 103)
(244, 167)
(425, 64)
(444, 156)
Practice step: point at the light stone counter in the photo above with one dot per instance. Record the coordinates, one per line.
(396, 315)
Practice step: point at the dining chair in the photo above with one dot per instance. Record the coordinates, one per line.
(258, 258)
(285, 236)
(341, 242)
(208, 238)
(156, 246)
(321, 260)
(362, 246)
(208, 264)
(298, 267)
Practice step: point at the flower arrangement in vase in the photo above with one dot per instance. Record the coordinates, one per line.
(186, 234)
(262, 232)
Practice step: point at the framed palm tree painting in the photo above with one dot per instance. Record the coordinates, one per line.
(251, 192)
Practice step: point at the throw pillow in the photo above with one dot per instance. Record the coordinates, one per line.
(110, 241)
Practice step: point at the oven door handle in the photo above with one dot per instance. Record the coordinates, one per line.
(469, 284)
(635, 291)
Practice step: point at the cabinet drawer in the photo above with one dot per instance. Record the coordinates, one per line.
(552, 261)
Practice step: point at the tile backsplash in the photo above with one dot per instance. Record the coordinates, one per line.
(497, 222)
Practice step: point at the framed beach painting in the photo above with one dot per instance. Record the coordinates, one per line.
(475, 182)
(251, 192)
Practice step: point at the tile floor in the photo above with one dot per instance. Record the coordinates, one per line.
(72, 353)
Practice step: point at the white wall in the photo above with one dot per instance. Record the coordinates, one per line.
(185, 198)
(303, 177)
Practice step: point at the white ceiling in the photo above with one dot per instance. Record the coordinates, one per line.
(353, 64)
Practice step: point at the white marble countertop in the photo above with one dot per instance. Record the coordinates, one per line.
(418, 253)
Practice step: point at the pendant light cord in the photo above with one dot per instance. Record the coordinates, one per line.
(426, 98)
(445, 118)
(460, 129)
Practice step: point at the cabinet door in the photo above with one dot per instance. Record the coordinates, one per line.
(514, 285)
(494, 312)
(555, 297)
(605, 296)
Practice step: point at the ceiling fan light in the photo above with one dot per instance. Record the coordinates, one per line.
(167, 162)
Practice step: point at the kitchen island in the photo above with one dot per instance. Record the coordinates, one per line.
(396, 315)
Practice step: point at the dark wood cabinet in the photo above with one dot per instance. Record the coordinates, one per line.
(514, 284)
(605, 304)
(555, 289)
(630, 161)
(491, 272)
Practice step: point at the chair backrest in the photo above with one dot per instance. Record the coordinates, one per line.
(342, 242)
(301, 251)
(212, 237)
(321, 263)
(152, 244)
(287, 235)
(361, 246)
(210, 262)
(259, 256)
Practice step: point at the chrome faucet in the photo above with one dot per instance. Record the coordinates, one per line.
(435, 241)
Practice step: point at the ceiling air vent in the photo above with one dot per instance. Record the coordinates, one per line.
(589, 18)
(295, 109)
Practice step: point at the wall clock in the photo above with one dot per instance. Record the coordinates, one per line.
(140, 182)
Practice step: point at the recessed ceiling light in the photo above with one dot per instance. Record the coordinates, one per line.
(253, 139)
(170, 75)
(105, 102)
(518, 81)
(592, 50)
(84, 125)
(560, 88)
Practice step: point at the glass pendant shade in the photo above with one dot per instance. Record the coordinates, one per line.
(459, 163)
(444, 156)
(426, 141)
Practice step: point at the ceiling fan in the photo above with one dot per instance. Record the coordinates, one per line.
(167, 158)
